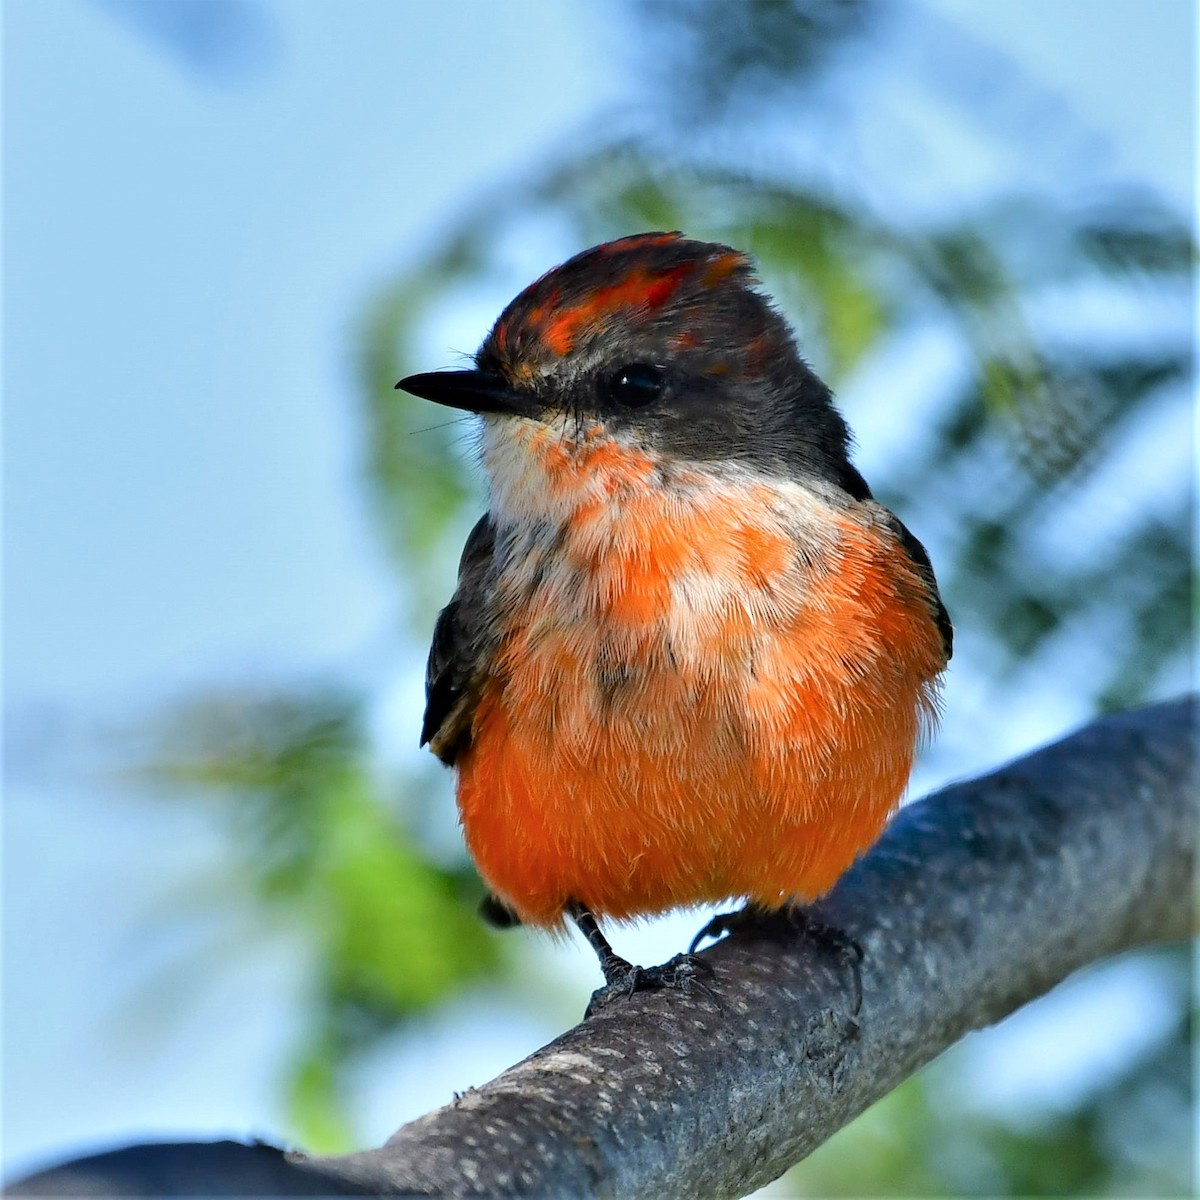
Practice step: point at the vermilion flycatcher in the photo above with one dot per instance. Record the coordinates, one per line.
(689, 657)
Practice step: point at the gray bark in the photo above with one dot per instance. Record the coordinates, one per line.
(978, 899)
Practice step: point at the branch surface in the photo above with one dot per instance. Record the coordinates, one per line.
(976, 900)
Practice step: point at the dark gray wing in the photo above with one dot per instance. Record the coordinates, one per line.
(463, 641)
(920, 558)
(855, 485)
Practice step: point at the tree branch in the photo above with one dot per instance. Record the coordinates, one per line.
(977, 900)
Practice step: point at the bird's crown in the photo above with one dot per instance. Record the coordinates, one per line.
(659, 289)
(664, 340)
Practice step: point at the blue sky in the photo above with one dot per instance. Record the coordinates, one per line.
(188, 247)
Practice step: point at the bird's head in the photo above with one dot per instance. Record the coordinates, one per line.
(662, 343)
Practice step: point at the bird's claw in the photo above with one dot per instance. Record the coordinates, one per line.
(847, 948)
(723, 923)
(684, 973)
(792, 920)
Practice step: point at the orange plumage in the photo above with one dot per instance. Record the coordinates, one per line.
(689, 656)
(752, 745)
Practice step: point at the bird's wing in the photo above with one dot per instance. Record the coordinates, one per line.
(920, 559)
(464, 641)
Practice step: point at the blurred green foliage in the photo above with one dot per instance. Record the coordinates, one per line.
(313, 835)
(1042, 541)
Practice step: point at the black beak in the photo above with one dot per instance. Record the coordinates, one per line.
(470, 390)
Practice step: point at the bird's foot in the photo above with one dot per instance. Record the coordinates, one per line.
(790, 920)
(749, 917)
(685, 973)
(848, 949)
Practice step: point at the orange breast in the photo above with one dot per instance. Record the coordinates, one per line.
(705, 690)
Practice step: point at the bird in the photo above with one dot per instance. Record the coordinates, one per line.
(689, 657)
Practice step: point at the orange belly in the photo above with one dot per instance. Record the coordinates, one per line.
(691, 711)
(635, 755)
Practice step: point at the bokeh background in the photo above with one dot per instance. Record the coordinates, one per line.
(235, 899)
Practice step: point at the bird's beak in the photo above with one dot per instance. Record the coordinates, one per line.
(473, 391)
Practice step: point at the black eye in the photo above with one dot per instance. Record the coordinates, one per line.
(636, 385)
